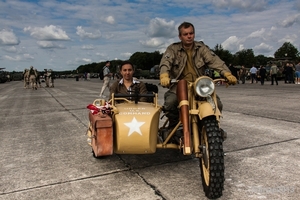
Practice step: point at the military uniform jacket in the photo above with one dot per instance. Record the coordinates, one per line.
(118, 87)
(175, 58)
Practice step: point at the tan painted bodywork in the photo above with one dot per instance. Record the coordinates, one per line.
(136, 128)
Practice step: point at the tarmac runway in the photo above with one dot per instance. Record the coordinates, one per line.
(44, 153)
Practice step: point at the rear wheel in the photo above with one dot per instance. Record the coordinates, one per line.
(212, 160)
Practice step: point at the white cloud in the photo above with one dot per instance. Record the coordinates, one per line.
(7, 37)
(232, 44)
(49, 45)
(126, 55)
(153, 42)
(110, 19)
(291, 20)
(24, 57)
(83, 34)
(245, 5)
(257, 34)
(28, 57)
(161, 28)
(15, 58)
(101, 54)
(79, 61)
(47, 33)
(263, 48)
(288, 38)
(88, 47)
(11, 49)
(87, 60)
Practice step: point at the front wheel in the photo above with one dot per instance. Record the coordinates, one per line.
(212, 160)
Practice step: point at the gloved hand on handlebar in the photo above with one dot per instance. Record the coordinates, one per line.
(231, 79)
(165, 80)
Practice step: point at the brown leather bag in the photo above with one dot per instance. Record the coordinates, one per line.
(102, 134)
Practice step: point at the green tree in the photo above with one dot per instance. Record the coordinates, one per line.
(244, 57)
(225, 55)
(287, 50)
(145, 60)
(262, 60)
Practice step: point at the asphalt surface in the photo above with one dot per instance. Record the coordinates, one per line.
(44, 153)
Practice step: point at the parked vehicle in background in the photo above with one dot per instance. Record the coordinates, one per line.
(3, 76)
(154, 72)
(140, 74)
(42, 78)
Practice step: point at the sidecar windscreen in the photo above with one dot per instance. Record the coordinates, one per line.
(134, 97)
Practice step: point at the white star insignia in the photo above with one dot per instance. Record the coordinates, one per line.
(134, 126)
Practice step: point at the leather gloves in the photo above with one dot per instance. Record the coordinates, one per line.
(165, 80)
(231, 79)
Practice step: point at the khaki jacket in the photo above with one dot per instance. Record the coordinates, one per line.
(175, 58)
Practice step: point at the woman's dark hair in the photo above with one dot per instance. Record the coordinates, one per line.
(125, 63)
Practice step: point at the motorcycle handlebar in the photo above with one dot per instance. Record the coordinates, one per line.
(174, 81)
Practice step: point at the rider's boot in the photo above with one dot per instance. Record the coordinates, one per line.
(172, 123)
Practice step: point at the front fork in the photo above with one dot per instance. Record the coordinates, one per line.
(196, 137)
(204, 109)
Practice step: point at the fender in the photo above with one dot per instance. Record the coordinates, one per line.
(206, 109)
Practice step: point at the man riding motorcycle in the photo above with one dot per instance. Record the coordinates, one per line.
(187, 60)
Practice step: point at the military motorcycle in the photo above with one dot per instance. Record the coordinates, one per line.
(123, 125)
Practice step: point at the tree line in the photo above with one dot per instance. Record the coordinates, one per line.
(246, 57)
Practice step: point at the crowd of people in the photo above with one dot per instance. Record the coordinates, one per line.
(290, 71)
(32, 78)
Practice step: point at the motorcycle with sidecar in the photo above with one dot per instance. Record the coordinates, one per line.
(125, 126)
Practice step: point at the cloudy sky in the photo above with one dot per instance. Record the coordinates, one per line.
(64, 34)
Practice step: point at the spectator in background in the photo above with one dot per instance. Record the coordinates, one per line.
(288, 73)
(253, 72)
(262, 74)
(243, 74)
(234, 72)
(297, 73)
(273, 72)
(46, 77)
(107, 75)
(292, 72)
(38, 78)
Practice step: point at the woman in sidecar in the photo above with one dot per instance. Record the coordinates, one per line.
(128, 85)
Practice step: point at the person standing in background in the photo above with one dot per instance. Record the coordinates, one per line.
(46, 77)
(107, 75)
(32, 78)
(273, 73)
(297, 73)
(253, 72)
(262, 74)
(234, 72)
(243, 74)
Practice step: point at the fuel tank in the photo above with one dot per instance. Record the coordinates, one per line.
(136, 128)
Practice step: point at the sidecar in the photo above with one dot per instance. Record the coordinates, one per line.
(130, 127)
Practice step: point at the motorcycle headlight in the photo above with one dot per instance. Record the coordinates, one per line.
(204, 86)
